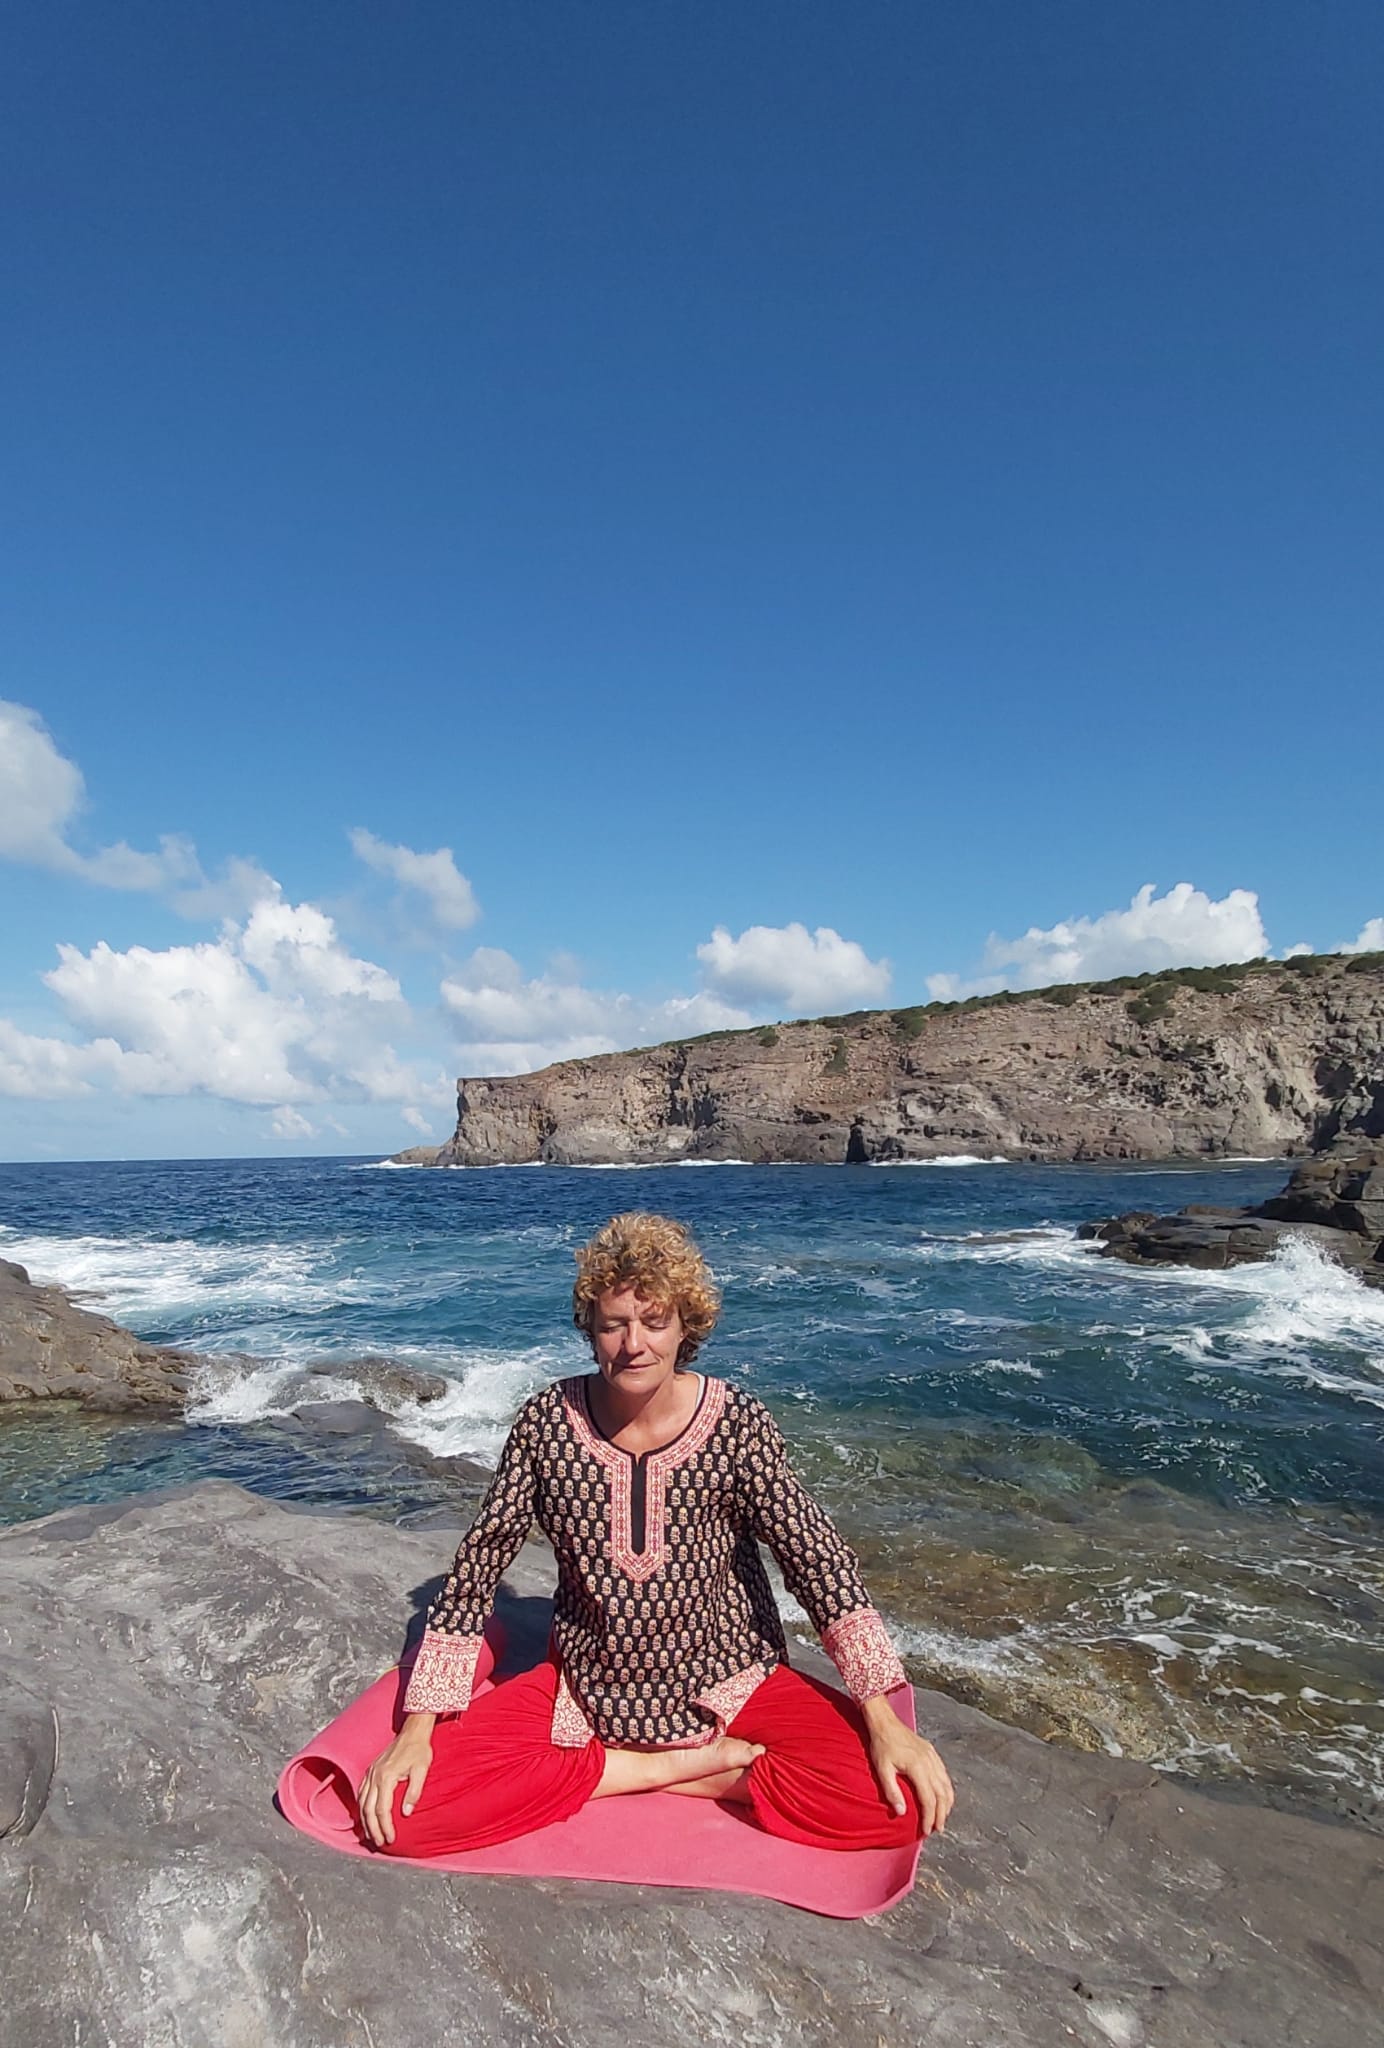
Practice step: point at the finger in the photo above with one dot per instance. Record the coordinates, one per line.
(889, 1786)
(367, 1809)
(415, 1786)
(920, 1778)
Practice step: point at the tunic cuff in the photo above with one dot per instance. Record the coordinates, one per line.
(859, 1646)
(443, 1674)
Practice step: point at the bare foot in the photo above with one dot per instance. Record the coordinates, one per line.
(667, 1770)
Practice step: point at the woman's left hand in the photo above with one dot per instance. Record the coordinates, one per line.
(897, 1753)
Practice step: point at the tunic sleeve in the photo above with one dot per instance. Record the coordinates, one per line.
(819, 1567)
(445, 1667)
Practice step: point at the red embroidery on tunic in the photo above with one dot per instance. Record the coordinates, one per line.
(640, 1565)
(859, 1646)
(727, 1699)
(443, 1674)
(570, 1727)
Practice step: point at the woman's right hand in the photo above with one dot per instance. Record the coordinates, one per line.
(409, 1756)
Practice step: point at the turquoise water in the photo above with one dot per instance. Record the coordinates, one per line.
(1135, 1509)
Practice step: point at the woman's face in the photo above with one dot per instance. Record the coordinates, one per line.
(635, 1340)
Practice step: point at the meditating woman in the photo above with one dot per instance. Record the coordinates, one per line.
(667, 1667)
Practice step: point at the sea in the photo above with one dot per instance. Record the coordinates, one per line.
(1136, 1510)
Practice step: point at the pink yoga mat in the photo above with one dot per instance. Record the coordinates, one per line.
(650, 1838)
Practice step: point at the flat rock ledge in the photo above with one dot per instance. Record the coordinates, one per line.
(1336, 1203)
(162, 1657)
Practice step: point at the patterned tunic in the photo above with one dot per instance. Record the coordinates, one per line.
(664, 1621)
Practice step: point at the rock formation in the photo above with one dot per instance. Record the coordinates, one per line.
(1337, 1203)
(161, 1658)
(1275, 1058)
(50, 1348)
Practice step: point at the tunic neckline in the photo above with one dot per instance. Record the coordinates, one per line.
(654, 1450)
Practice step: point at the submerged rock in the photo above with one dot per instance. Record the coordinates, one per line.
(160, 1660)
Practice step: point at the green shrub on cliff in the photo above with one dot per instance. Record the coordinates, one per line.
(768, 1037)
(1150, 1007)
(836, 1064)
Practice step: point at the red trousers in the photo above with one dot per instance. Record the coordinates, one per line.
(496, 1773)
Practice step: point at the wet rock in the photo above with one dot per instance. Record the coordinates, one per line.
(49, 1348)
(381, 1380)
(1331, 1202)
(190, 1643)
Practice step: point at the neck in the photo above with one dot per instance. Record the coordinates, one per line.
(618, 1409)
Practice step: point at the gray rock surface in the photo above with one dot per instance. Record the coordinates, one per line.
(1267, 1064)
(160, 1659)
(1336, 1203)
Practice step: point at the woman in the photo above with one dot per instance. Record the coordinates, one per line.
(667, 1668)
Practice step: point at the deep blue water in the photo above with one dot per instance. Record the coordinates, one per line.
(1148, 1502)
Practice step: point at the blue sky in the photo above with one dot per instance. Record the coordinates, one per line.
(809, 505)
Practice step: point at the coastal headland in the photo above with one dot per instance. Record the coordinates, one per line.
(1266, 1058)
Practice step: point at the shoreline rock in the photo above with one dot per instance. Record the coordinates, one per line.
(1335, 1203)
(1271, 1059)
(51, 1350)
(160, 1659)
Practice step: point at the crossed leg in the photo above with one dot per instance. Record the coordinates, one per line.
(795, 1756)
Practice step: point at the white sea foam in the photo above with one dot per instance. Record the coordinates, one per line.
(948, 1159)
(143, 1280)
(950, 1650)
(471, 1419)
(1048, 1245)
(1284, 1312)
(1018, 1365)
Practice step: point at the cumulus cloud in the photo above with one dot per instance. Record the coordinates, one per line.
(434, 876)
(42, 794)
(288, 1122)
(507, 1024)
(1185, 928)
(1369, 940)
(276, 1011)
(416, 1121)
(793, 970)
(42, 797)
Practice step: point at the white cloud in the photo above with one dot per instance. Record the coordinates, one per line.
(51, 1069)
(241, 885)
(793, 969)
(287, 1122)
(1185, 928)
(42, 797)
(1369, 940)
(42, 794)
(416, 1121)
(274, 1012)
(507, 1025)
(434, 876)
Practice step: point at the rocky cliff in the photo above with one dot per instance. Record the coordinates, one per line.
(160, 1659)
(1272, 1058)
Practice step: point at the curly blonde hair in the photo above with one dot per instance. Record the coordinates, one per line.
(657, 1257)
